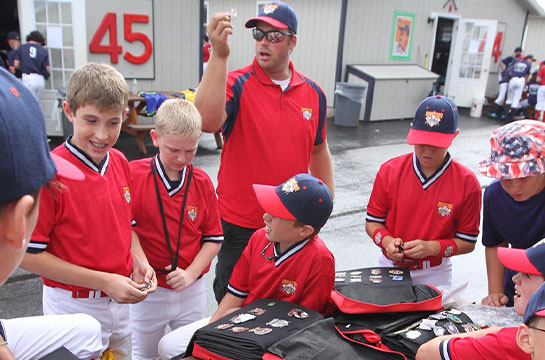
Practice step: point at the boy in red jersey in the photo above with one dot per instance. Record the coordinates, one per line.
(285, 260)
(425, 206)
(531, 334)
(496, 342)
(83, 245)
(168, 191)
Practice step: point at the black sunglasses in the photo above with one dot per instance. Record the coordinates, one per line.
(273, 36)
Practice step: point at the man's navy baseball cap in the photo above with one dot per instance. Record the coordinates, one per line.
(536, 305)
(25, 161)
(435, 122)
(14, 35)
(277, 14)
(518, 49)
(302, 197)
(529, 261)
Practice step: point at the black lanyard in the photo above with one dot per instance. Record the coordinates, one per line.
(173, 259)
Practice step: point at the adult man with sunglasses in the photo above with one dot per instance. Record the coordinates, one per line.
(273, 120)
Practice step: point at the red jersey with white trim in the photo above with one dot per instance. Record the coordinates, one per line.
(268, 136)
(304, 274)
(201, 222)
(498, 346)
(88, 223)
(443, 206)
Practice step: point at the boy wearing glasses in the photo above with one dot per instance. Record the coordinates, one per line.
(273, 120)
(285, 260)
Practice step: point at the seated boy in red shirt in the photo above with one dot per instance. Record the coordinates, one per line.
(285, 260)
(495, 342)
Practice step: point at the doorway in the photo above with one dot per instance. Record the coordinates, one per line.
(9, 21)
(441, 50)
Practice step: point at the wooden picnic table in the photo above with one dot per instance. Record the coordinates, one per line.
(132, 125)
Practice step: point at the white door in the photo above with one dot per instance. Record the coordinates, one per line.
(469, 66)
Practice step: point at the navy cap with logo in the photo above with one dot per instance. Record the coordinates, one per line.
(25, 161)
(14, 35)
(277, 14)
(435, 122)
(536, 305)
(302, 197)
(529, 261)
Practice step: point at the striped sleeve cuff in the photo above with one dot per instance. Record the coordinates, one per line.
(35, 247)
(212, 238)
(238, 293)
(379, 219)
(467, 237)
(444, 350)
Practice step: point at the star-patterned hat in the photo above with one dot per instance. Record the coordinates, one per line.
(517, 151)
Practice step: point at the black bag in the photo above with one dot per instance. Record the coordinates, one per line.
(248, 332)
(382, 290)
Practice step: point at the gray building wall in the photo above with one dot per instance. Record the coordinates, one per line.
(176, 44)
(535, 43)
(368, 32)
(369, 28)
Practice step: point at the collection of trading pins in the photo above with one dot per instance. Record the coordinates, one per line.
(413, 331)
(253, 314)
(375, 276)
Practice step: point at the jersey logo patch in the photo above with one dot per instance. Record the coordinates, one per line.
(433, 118)
(289, 287)
(269, 8)
(192, 212)
(127, 194)
(378, 238)
(290, 186)
(444, 209)
(307, 113)
(448, 251)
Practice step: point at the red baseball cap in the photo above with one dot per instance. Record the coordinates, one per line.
(529, 261)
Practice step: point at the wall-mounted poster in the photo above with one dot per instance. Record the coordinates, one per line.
(402, 34)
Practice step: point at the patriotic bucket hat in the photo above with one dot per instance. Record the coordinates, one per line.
(517, 151)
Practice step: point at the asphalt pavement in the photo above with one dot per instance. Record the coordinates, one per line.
(357, 153)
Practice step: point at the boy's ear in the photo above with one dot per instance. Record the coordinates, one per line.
(306, 230)
(525, 340)
(13, 222)
(67, 111)
(154, 137)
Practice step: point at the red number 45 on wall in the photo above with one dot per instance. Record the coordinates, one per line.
(109, 23)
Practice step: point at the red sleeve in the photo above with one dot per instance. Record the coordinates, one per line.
(238, 284)
(211, 228)
(49, 210)
(501, 345)
(378, 205)
(467, 227)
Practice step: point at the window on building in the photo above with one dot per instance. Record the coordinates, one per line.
(471, 63)
(54, 21)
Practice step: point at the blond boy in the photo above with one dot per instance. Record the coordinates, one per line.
(177, 221)
(83, 245)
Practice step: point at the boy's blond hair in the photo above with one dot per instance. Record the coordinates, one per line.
(178, 116)
(98, 84)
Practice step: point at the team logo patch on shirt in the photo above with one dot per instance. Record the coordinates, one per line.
(444, 209)
(307, 113)
(192, 212)
(433, 118)
(290, 186)
(127, 194)
(269, 8)
(289, 287)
